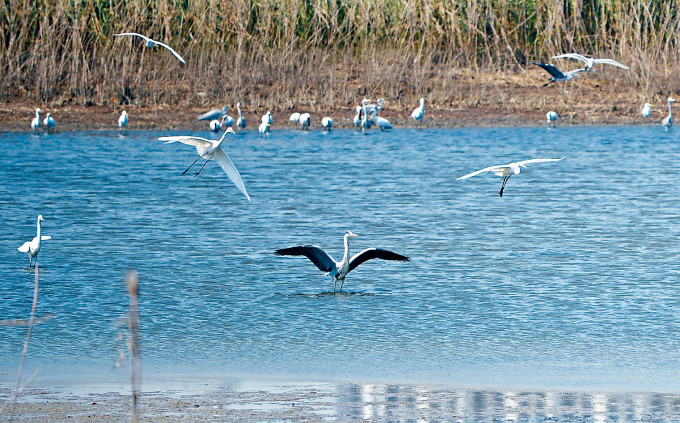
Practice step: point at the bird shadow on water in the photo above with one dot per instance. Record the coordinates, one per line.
(327, 294)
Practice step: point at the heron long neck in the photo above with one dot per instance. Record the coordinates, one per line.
(345, 258)
(670, 110)
(238, 107)
(38, 229)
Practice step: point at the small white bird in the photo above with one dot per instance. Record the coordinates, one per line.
(267, 118)
(35, 123)
(49, 123)
(294, 117)
(241, 121)
(305, 121)
(209, 150)
(506, 171)
(123, 120)
(646, 110)
(215, 125)
(357, 118)
(152, 43)
(419, 112)
(380, 122)
(590, 62)
(32, 248)
(327, 123)
(667, 122)
(552, 117)
(214, 114)
(265, 129)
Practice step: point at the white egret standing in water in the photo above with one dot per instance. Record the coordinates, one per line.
(35, 123)
(153, 43)
(208, 150)
(50, 123)
(32, 247)
(305, 121)
(419, 112)
(327, 123)
(506, 171)
(667, 122)
(381, 122)
(338, 270)
(123, 120)
(241, 121)
(552, 117)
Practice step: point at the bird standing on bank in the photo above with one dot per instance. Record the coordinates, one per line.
(32, 247)
(506, 171)
(153, 43)
(419, 112)
(339, 270)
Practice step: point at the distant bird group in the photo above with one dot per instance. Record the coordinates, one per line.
(49, 123)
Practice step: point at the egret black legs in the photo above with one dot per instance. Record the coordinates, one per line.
(505, 181)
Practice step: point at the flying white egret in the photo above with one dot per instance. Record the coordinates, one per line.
(294, 117)
(589, 62)
(327, 123)
(381, 122)
(241, 121)
(50, 123)
(667, 122)
(214, 114)
(556, 74)
(153, 43)
(338, 270)
(552, 117)
(267, 118)
(208, 150)
(419, 112)
(32, 247)
(305, 121)
(35, 123)
(123, 120)
(506, 171)
(646, 110)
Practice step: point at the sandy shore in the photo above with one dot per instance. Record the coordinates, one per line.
(313, 402)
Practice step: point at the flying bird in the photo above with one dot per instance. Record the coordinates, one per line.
(35, 123)
(667, 122)
(32, 247)
(556, 74)
(152, 43)
(339, 270)
(506, 171)
(590, 62)
(214, 114)
(646, 110)
(209, 150)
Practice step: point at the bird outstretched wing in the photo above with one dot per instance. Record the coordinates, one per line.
(25, 247)
(181, 59)
(187, 139)
(575, 56)
(134, 34)
(213, 114)
(551, 69)
(486, 169)
(373, 253)
(226, 164)
(45, 237)
(526, 162)
(313, 252)
(611, 62)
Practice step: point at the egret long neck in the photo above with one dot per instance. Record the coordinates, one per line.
(670, 110)
(38, 229)
(345, 258)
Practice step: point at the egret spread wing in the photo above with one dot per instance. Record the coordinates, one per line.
(213, 114)
(171, 51)
(45, 237)
(373, 253)
(226, 164)
(186, 139)
(486, 169)
(24, 248)
(134, 34)
(575, 56)
(313, 252)
(611, 62)
(551, 69)
(526, 162)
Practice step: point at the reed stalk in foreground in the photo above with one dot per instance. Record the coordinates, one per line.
(131, 282)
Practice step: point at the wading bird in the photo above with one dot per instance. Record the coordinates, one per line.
(208, 150)
(552, 117)
(265, 129)
(338, 270)
(327, 123)
(214, 114)
(357, 118)
(35, 123)
(556, 74)
(305, 121)
(667, 122)
(381, 122)
(123, 120)
(241, 121)
(294, 117)
(50, 123)
(506, 171)
(646, 110)
(267, 118)
(215, 125)
(419, 112)
(152, 43)
(32, 247)
(366, 121)
(590, 62)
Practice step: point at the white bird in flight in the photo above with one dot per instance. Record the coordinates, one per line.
(208, 150)
(556, 74)
(667, 122)
(32, 247)
(50, 123)
(123, 120)
(506, 171)
(590, 62)
(646, 110)
(152, 43)
(552, 117)
(214, 114)
(35, 123)
(419, 112)
(339, 270)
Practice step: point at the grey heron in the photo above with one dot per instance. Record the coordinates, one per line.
(556, 74)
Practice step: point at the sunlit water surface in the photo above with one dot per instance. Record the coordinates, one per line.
(570, 281)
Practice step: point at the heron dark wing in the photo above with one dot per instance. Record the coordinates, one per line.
(318, 256)
(373, 253)
(551, 69)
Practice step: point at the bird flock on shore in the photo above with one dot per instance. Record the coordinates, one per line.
(367, 115)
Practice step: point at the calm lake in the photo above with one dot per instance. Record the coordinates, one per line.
(569, 281)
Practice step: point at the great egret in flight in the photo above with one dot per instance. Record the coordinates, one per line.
(646, 110)
(338, 270)
(50, 123)
(153, 43)
(419, 112)
(123, 120)
(589, 62)
(552, 117)
(327, 123)
(32, 247)
(214, 114)
(506, 171)
(556, 74)
(241, 121)
(35, 123)
(208, 150)
(667, 122)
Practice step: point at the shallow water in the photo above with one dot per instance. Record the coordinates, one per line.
(567, 282)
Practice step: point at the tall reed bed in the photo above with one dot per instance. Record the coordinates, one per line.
(324, 53)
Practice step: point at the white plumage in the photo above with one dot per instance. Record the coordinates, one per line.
(32, 247)
(152, 43)
(35, 123)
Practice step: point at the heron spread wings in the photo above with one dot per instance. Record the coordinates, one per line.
(189, 140)
(551, 69)
(228, 166)
(313, 252)
(373, 253)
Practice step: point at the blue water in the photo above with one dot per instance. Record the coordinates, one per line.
(570, 281)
